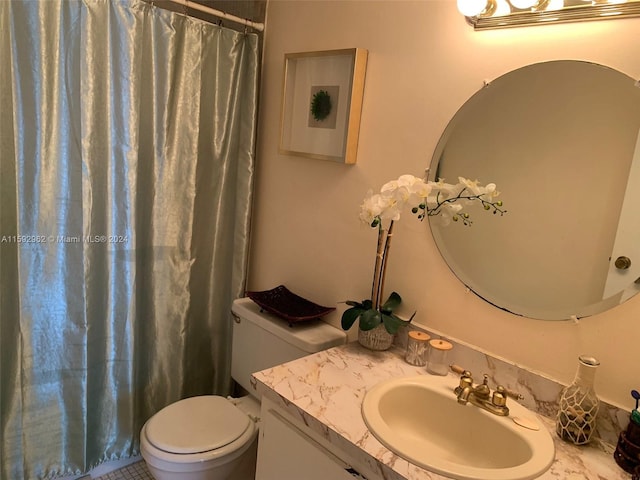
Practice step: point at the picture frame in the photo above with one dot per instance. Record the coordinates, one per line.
(322, 104)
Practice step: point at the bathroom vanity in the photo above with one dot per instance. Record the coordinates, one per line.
(312, 423)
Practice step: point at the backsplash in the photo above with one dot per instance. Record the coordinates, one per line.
(541, 394)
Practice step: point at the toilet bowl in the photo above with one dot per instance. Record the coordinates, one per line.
(202, 438)
(210, 437)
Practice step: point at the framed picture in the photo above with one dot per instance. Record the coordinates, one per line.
(322, 102)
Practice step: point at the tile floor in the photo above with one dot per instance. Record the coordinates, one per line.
(135, 471)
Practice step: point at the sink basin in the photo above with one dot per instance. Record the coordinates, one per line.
(419, 419)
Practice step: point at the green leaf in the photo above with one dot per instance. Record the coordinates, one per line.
(392, 322)
(370, 319)
(392, 302)
(350, 315)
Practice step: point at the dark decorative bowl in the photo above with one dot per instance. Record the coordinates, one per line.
(285, 304)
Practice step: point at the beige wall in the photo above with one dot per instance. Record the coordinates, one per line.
(424, 63)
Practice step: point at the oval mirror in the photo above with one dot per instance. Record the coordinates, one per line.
(561, 141)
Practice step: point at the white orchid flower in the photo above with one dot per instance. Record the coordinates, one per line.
(471, 185)
(419, 192)
(443, 190)
(490, 191)
(371, 207)
(407, 190)
(380, 207)
(426, 198)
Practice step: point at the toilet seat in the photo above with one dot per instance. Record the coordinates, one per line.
(196, 425)
(167, 460)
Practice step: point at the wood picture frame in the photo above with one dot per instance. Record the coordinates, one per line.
(322, 104)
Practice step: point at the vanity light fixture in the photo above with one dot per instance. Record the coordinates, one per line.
(484, 14)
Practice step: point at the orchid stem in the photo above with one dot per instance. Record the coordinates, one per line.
(376, 272)
(383, 267)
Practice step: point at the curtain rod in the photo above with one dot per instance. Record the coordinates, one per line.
(220, 14)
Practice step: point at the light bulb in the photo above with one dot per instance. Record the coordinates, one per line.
(472, 8)
(502, 8)
(555, 5)
(523, 4)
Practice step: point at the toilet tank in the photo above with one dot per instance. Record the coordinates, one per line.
(262, 340)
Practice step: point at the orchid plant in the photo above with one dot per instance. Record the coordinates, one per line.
(425, 199)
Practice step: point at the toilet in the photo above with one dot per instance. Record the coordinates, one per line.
(210, 437)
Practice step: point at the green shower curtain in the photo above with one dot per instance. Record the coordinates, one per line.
(126, 167)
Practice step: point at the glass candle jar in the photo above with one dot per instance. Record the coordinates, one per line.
(417, 348)
(438, 357)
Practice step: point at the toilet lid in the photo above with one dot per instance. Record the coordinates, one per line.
(196, 424)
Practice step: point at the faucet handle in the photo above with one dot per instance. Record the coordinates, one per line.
(513, 394)
(463, 390)
(499, 397)
(466, 382)
(460, 370)
(509, 393)
(499, 401)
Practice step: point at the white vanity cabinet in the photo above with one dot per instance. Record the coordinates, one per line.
(288, 450)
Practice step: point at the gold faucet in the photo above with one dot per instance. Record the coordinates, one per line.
(481, 395)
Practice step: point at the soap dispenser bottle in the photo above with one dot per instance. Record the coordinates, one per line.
(576, 421)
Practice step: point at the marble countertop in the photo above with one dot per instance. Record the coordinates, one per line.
(325, 391)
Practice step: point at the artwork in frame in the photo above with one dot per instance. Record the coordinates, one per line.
(322, 103)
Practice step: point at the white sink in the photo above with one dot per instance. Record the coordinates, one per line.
(419, 419)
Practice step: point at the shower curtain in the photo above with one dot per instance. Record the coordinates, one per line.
(126, 167)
